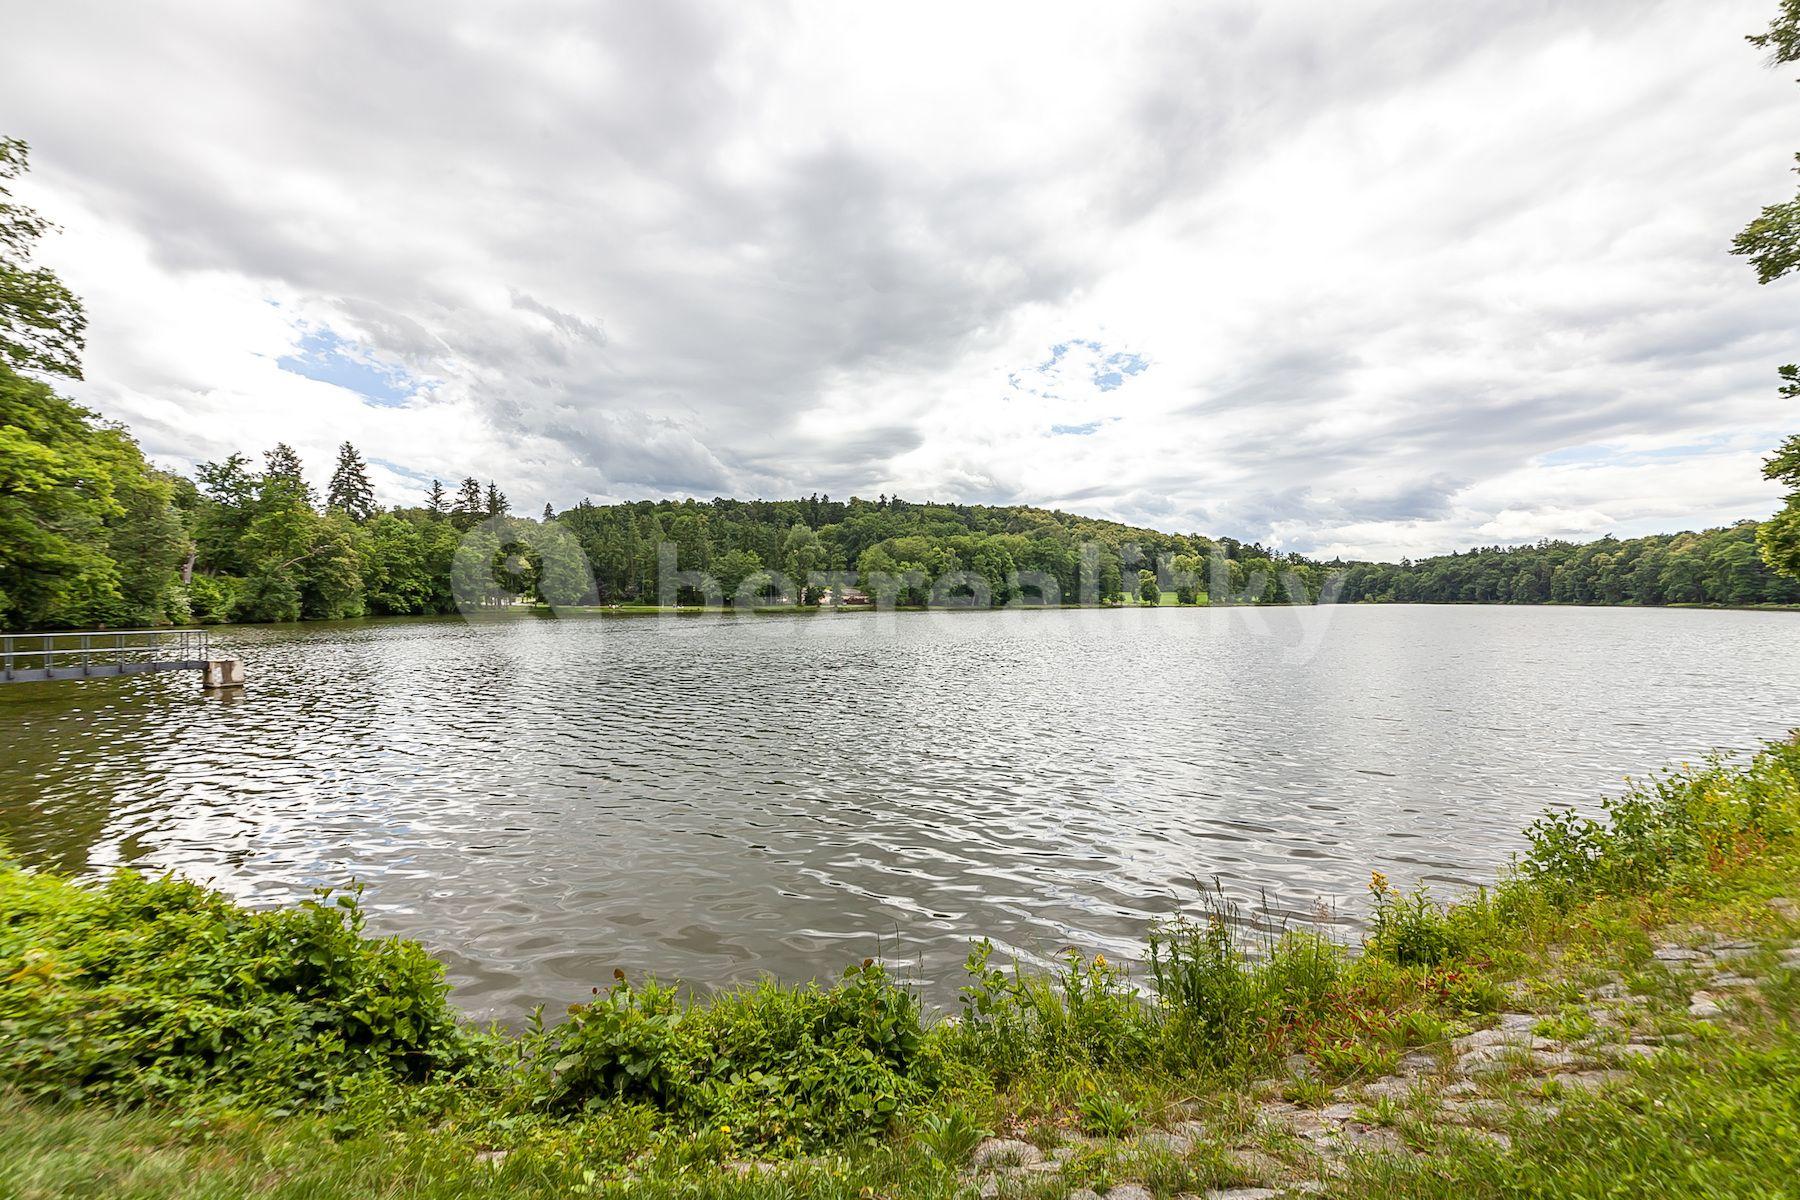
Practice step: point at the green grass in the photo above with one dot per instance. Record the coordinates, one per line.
(155, 1039)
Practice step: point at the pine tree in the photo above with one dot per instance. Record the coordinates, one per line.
(282, 472)
(435, 501)
(549, 513)
(282, 463)
(467, 511)
(496, 501)
(350, 489)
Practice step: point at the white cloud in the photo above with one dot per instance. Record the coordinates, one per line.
(1406, 278)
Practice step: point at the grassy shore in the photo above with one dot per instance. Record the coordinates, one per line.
(1614, 1018)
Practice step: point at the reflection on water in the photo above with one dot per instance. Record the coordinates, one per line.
(541, 801)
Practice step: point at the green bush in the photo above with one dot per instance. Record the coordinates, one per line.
(1411, 930)
(1013, 1023)
(149, 988)
(950, 1136)
(619, 1047)
(1662, 832)
(771, 1063)
(1208, 988)
(1107, 1115)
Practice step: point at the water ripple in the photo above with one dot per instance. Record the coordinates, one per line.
(715, 798)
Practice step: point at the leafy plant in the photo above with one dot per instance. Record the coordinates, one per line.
(950, 1135)
(1412, 930)
(147, 989)
(1108, 1114)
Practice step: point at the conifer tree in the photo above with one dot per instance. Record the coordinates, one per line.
(282, 472)
(435, 499)
(350, 490)
(467, 511)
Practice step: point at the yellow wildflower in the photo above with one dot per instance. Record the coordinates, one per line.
(1377, 882)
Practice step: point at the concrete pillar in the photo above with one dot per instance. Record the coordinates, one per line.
(222, 673)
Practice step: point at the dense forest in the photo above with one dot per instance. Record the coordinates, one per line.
(1719, 566)
(1014, 554)
(93, 535)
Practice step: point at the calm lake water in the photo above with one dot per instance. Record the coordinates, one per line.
(541, 800)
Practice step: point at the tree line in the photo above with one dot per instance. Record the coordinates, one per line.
(1718, 566)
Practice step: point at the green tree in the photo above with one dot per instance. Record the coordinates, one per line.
(1772, 244)
(468, 511)
(1779, 537)
(495, 503)
(148, 542)
(331, 586)
(393, 568)
(88, 532)
(804, 555)
(42, 325)
(733, 568)
(350, 491)
(227, 506)
(1772, 241)
(436, 503)
(1149, 591)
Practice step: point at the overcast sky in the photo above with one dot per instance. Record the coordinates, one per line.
(1359, 278)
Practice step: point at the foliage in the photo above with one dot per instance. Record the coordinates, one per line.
(888, 546)
(88, 533)
(42, 326)
(1664, 832)
(1719, 566)
(773, 1064)
(145, 989)
(1779, 537)
(1014, 1023)
(950, 1135)
(1411, 930)
(350, 491)
(1771, 242)
(1108, 1114)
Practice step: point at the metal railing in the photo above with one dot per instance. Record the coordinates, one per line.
(32, 656)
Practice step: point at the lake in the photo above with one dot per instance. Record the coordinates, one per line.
(713, 797)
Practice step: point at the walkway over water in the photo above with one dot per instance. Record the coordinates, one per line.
(27, 657)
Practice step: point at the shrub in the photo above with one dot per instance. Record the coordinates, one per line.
(773, 1063)
(1012, 1023)
(211, 599)
(1411, 930)
(1663, 832)
(619, 1047)
(147, 988)
(1209, 992)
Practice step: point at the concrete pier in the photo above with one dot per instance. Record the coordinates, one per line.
(222, 673)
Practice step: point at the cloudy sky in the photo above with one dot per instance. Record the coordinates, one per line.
(1369, 278)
